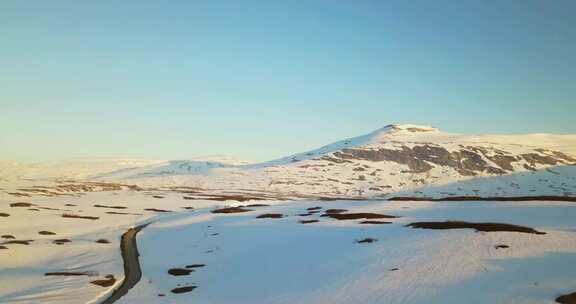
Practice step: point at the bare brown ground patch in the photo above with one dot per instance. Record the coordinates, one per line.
(332, 211)
(44, 232)
(69, 215)
(3, 247)
(108, 281)
(8, 236)
(270, 216)
(103, 241)
(238, 198)
(329, 199)
(257, 205)
(157, 210)
(179, 271)
(366, 240)
(308, 221)
(491, 198)
(357, 216)
(122, 213)
(183, 289)
(49, 208)
(61, 241)
(484, 227)
(110, 207)
(2, 214)
(18, 242)
(231, 210)
(22, 205)
(375, 222)
(567, 299)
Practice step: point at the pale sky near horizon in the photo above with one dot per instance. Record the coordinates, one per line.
(263, 79)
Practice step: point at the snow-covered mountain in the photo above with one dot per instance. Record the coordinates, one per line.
(399, 159)
(194, 166)
(421, 160)
(111, 168)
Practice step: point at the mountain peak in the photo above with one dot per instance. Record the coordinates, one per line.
(409, 128)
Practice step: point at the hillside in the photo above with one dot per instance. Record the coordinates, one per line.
(406, 159)
(400, 159)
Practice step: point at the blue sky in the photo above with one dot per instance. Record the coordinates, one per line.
(262, 79)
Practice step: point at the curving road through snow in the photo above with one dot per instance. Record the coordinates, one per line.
(132, 270)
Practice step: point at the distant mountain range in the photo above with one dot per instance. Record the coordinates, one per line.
(399, 159)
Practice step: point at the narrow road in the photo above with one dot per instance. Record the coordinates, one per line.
(132, 271)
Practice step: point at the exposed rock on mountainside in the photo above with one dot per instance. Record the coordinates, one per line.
(466, 160)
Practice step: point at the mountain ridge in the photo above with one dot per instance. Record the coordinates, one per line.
(396, 158)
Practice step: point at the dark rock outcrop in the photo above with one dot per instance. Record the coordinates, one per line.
(468, 160)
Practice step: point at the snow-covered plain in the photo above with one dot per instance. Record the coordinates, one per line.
(250, 260)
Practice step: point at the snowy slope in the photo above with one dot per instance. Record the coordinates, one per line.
(199, 165)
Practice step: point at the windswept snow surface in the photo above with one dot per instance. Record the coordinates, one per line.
(251, 260)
